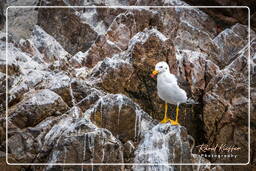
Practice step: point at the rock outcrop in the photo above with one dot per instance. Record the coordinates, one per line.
(119, 114)
(164, 144)
(79, 87)
(35, 107)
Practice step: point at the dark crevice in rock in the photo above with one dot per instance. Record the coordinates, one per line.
(226, 17)
(199, 135)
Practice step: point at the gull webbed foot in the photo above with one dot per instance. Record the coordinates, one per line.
(165, 120)
(173, 122)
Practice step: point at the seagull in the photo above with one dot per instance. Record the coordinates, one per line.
(168, 90)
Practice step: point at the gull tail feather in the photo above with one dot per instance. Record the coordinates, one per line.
(191, 101)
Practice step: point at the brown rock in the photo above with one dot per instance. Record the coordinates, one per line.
(99, 50)
(120, 115)
(59, 83)
(161, 145)
(221, 111)
(11, 159)
(129, 72)
(12, 130)
(79, 141)
(112, 74)
(66, 27)
(43, 47)
(85, 95)
(191, 70)
(13, 55)
(65, 139)
(226, 17)
(21, 146)
(33, 58)
(2, 93)
(146, 49)
(2, 16)
(226, 106)
(230, 44)
(36, 106)
(118, 35)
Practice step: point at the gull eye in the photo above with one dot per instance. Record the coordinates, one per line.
(161, 67)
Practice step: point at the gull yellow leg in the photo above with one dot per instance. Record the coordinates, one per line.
(177, 115)
(166, 119)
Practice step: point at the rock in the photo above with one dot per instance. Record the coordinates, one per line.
(228, 49)
(2, 16)
(5, 166)
(99, 18)
(191, 69)
(149, 47)
(227, 17)
(253, 107)
(253, 21)
(23, 72)
(227, 92)
(36, 106)
(195, 19)
(13, 66)
(35, 142)
(198, 159)
(2, 93)
(174, 19)
(146, 49)
(73, 140)
(23, 83)
(99, 50)
(12, 130)
(21, 146)
(98, 2)
(16, 17)
(112, 74)
(129, 149)
(80, 91)
(118, 35)
(119, 75)
(85, 95)
(2, 130)
(128, 73)
(129, 23)
(77, 60)
(60, 83)
(66, 27)
(133, 22)
(119, 114)
(164, 143)
(44, 46)
(30, 64)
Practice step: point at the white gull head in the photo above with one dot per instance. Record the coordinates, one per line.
(162, 67)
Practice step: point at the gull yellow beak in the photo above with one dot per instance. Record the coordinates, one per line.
(154, 73)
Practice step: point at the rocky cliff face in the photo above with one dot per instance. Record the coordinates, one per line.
(79, 89)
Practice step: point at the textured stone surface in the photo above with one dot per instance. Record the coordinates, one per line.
(16, 17)
(66, 27)
(228, 91)
(36, 106)
(80, 90)
(166, 144)
(121, 116)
